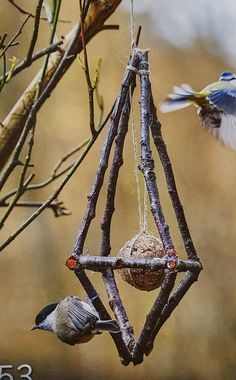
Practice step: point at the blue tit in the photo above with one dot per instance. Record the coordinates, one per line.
(216, 106)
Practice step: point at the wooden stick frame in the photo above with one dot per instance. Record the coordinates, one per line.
(166, 300)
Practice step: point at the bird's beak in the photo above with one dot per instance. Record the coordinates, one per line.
(34, 327)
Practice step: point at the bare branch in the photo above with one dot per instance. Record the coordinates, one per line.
(174, 300)
(153, 316)
(25, 63)
(54, 174)
(57, 206)
(122, 349)
(171, 185)
(101, 263)
(147, 162)
(55, 194)
(115, 118)
(87, 73)
(99, 12)
(35, 31)
(2, 40)
(12, 41)
(24, 12)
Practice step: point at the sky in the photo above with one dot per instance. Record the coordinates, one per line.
(182, 22)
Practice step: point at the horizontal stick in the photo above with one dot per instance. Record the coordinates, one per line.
(98, 263)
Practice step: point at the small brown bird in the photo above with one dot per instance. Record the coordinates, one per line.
(73, 321)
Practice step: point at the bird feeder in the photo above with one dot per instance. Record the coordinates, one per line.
(145, 261)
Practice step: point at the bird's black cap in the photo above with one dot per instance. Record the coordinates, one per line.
(45, 312)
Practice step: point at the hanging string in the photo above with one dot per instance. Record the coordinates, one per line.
(145, 207)
(136, 173)
(142, 212)
(132, 26)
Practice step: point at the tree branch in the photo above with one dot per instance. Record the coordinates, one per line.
(13, 124)
(122, 349)
(101, 263)
(104, 157)
(147, 162)
(171, 185)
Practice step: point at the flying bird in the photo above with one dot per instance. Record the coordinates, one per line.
(73, 321)
(216, 106)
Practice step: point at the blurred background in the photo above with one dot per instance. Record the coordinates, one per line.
(190, 42)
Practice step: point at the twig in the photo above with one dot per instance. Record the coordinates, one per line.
(115, 301)
(87, 73)
(24, 12)
(122, 349)
(22, 183)
(54, 174)
(114, 172)
(153, 316)
(35, 31)
(171, 185)
(98, 13)
(147, 162)
(174, 300)
(118, 309)
(10, 43)
(3, 80)
(99, 97)
(23, 64)
(55, 194)
(100, 263)
(111, 27)
(138, 35)
(34, 109)
(2, 40)
(57, 207)
(56, 12)
(98, 182)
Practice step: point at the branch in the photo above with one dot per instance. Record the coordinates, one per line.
(117, 162)
(24, 12)
(115, 301)
(12, 41)
(147, 162)
(2, 40)
(57, 207)
(22, 185)
(35, 31)
(101, 263)
(87, 74)
(174, 300)
(103, 163)
(118, 309)
(153, 316)
(60, 62)
(123, 351)
(24, 64)
(53, 176)
(171, 185)
(55, 194)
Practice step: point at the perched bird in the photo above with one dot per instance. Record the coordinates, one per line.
(73, 321)
(216, 106)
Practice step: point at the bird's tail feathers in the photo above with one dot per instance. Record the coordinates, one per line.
(181, 97)
(108, 325)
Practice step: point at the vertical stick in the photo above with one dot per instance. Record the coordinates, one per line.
(147, 163)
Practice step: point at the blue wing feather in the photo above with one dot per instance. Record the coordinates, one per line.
(224, 99)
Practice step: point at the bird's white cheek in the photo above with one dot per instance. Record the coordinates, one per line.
(49, 322)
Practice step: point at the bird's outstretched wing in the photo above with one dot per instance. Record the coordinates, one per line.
(81, 314)
(224, 99)
(221, 125)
